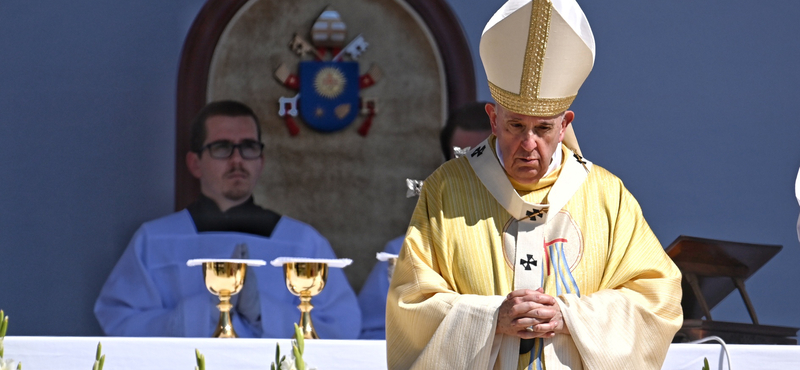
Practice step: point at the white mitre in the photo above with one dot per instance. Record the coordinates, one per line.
(536, 54)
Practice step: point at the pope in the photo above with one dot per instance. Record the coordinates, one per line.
(523, 253)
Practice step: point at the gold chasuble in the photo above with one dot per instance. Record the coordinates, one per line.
(618, 291)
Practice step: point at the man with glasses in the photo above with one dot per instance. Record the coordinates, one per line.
(151, 291)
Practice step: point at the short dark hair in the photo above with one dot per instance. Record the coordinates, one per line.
(228, 108)
(469, 117)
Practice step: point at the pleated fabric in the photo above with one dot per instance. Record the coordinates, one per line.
(620, 298)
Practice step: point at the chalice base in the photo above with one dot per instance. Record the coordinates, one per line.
(306, 327)
(224, 325)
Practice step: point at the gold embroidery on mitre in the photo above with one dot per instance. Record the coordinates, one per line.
(538, 31)
(528, 102)
(530, 106)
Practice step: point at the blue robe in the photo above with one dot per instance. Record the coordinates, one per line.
(151, 291)
(372, 297)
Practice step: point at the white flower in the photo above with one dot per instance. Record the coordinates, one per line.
(6, 364)
(286, 364)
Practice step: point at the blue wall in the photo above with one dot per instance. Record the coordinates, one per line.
(690, 103)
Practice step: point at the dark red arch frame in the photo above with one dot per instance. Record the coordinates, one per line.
(198, 49)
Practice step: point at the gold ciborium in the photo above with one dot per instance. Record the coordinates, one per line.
(224, 279)
(305, 280)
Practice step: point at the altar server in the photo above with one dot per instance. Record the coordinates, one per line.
(151, 291)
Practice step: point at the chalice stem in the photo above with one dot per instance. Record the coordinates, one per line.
(305, 318)
(224, 326)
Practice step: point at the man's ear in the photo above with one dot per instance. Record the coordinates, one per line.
(568, 117)
(568, 137)
(565, 122)
(491, 111)
(193, 163)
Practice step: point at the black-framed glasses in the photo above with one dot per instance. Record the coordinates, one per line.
(223, 149)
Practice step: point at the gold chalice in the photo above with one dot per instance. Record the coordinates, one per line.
(306, 279)
(224, 278)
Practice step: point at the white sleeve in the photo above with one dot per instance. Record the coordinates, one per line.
(797, 194)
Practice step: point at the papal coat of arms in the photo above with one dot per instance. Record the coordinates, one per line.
(328, 99)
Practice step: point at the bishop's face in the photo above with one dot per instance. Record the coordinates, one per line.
(527, 143)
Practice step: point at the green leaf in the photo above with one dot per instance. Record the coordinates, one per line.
(19, 365)
(3, 327)
(99, 358)
(705, 364)
(298, 359)
(201, 360)
(298, 336)
(278, 355)
(272, 367)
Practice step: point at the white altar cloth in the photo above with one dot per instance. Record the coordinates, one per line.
(77, 353)
(743, 357)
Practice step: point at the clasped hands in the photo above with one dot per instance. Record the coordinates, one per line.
(527, 314)
(248, 301)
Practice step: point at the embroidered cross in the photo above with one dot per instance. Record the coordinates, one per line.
(532, 214)
(579, 158)
(527, 264)
(478, 151)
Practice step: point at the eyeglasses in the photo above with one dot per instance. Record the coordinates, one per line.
(223, 149)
